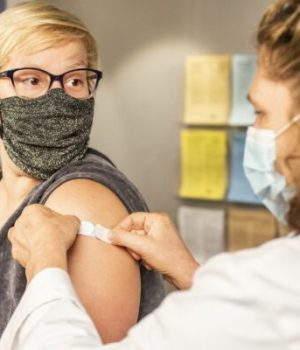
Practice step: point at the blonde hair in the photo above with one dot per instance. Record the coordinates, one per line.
(35, 25)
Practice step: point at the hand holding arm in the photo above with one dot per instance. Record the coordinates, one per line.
(41, 238)
(154, 239)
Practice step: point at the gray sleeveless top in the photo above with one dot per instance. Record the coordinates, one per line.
(94, 166)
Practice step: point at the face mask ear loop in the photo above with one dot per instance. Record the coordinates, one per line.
(295, 120)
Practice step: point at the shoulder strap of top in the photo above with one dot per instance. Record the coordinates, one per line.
(95, 166)
(101, 155)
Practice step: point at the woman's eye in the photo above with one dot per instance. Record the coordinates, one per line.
(31, 81)
(75, 82)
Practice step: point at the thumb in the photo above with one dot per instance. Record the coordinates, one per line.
(133, 241)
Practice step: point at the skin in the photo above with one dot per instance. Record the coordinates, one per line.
(153, 238)
(274, 108)
(105, 277)
(58, 236)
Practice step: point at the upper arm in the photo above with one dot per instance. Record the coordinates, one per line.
(105, 277)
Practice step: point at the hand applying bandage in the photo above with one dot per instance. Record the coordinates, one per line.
(153, 239)
(41, 238)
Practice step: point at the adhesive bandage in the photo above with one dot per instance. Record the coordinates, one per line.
(98, 231)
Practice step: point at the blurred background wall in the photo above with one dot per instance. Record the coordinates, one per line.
(143, 45)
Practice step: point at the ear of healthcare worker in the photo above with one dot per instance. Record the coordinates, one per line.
(153, 239)
(41, 238)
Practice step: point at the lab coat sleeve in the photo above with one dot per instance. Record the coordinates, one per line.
(50, 316)
(219, 312)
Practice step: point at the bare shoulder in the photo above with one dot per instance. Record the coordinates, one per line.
(88, 200)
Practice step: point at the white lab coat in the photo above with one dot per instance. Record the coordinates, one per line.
(248, 300)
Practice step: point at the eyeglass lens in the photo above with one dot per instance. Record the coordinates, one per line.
(33, 83)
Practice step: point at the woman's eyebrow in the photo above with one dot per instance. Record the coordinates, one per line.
(78, 63)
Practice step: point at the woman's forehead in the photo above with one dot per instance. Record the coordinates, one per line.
(68, 54)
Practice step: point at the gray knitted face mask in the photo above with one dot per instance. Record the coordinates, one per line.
(42, 135)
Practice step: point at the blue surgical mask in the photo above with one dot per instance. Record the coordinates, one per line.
(259, 158)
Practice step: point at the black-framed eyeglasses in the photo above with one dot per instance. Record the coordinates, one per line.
(31, 82)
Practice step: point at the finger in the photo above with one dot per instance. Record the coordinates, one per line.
(139, 232)
(134, 255)
(148, 267)
(19, 245)
(136, 243)
(17, 241)
(22, 223)
(10, 234)
(20, 254)
(74, 220)
(135, 221)
(21, 257)
(74, 223)
(17, 237)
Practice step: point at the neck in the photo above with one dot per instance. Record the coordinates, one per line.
(15, 185)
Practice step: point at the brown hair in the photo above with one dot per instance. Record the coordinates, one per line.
(279, 37)
(278, 41)
(35, 25)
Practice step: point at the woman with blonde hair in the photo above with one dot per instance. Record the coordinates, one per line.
(48, 78)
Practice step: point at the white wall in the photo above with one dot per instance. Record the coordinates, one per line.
(143, 46)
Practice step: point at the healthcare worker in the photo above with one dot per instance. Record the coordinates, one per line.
(247, 300)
